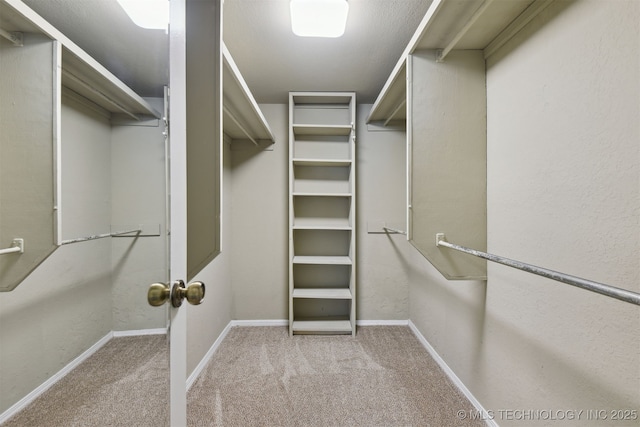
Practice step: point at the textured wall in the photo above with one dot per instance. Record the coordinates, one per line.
(383, 291)
(563, 192)
(138, 196)
(64, 306)
(259, 223)
(205, 322)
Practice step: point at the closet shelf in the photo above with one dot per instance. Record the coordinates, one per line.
(328, 326)
(320, 225)
(453, 24)
(321, 130)
(322, 293)
(321, 162)
(79, 71)
(322, 260)
(243, 119)
(319, 194)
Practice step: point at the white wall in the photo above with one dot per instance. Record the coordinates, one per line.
(138, 197)
(205, 322)
(382, 270)
(563, 192)
(64, 306)
(83, 291)
(260, 220)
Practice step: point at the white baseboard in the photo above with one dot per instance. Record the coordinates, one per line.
(139, 332)
(267, 322)
(203, 362)
(382, 322)
(22, 403)
(452, 376)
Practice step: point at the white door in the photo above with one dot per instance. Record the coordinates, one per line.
(195, 135)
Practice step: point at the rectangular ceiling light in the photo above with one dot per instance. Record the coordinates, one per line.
(319, 18)
(150, 14)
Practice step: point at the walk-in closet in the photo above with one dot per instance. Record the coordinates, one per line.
(427, 216)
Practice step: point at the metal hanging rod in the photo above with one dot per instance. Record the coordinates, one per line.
(601, 288)
(99, 236)
(17, 245)
(393, 231)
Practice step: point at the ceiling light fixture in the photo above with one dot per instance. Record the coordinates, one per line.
(150, 14)
(319, 18)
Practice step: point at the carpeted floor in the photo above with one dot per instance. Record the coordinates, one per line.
(381, 377)
(259, 376)
(124, 383)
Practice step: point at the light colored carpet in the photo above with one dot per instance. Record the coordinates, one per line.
(124, 383)
(381, 377)
(260, 376)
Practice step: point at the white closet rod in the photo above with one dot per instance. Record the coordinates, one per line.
(100, 236)
(17, 245)
(389, 230)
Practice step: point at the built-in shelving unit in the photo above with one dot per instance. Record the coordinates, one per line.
(449, 25)
(322, 213)
(243, 119)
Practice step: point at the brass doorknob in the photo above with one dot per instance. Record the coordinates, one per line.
(160, 293)
(194, 293)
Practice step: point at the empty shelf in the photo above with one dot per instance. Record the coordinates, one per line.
(322, 129)
(243, 118)
(321, 225)
(322, 293)
(79, 72)
(322, 260)
(321, 326)
(322, 194)
(321, 162)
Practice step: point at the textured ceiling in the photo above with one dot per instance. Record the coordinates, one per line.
(258, 34)
(274, 61)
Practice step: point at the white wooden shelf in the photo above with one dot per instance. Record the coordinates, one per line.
(243, 119)
(321, 130)
(322, 293)
(341, 100)
(319, 194)
(322, 260)
(80, 73)
(327, 326)
(322, 225)
(321, 162)
(453, 24)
